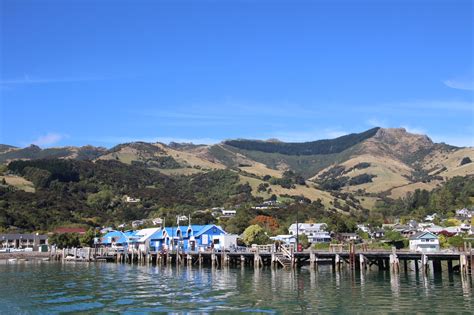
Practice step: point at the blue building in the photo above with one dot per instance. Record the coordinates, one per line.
(188, 238)
(118, 238)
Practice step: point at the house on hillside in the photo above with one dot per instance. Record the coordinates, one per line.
(379, 233)
(157, 221)
(405, 230)
(464, 214)
(228, 213)
(129, 199)
(285, 239)
(137, 223)
(431, 217)
(364, 228)
(348, 237)
(424, 242)
(316, 232)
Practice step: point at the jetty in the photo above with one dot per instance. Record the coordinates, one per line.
(461, 261)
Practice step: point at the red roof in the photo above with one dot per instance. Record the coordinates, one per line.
(63, 230)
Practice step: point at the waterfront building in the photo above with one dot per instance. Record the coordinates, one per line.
(187, 238)
(118, 239)
(23, 241)
(316, 232)
(424, 242)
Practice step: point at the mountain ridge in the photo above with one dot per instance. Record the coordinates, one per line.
(394, 161)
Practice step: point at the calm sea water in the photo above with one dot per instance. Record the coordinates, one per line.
(51, 288)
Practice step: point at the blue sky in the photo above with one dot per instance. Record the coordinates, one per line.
(107, 72)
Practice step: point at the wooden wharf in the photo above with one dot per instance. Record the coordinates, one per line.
(461, 261)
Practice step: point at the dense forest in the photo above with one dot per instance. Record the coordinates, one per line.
(305, 148)
(83, 192)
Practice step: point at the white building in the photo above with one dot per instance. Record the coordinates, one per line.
(228, 213)
(464, 213)
(157, 221)
(286, 239)
(316, 232)
(431, 217)
(424, 242)
(363, 228)
(131, 199)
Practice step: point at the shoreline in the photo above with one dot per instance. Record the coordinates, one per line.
(24, 255)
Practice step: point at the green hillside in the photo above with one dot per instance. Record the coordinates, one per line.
(83, 192)
(330, 146)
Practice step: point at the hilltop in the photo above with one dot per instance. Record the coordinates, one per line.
(348, 173)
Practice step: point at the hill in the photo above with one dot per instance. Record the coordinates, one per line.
(10, 153)
(373, 164)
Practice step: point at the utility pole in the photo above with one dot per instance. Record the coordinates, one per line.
(297, 230)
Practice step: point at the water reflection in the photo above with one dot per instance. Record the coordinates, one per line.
(55, 288)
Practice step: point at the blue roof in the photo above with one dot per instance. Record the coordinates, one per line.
(119, 237)
(194, 230)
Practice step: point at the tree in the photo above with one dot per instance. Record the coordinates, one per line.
(456, 241)
(303, 240)
(65, 240)
(100, 200)
(268, 223)
(393, 236)
(88, 238)
(255, 234)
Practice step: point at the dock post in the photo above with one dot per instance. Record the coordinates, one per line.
(437, 266)
(450, 266)
(362, 262)
(394, 262)
(338, 262)
(405, 265)
(424, 263)
(417, 268)
(463, 263)
(213, 258)
(311, 258)
(257, 260)
(380, 263)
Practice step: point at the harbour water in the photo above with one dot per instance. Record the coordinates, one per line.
(52, 288)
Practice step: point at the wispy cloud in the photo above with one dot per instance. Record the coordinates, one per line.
(27, 79)
(375, 122)
(460, 84)
(415, 130)
(48, 139)
(114, 140)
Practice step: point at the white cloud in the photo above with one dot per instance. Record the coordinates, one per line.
(375, 122)
(27, 79)
(415, 130)
(48, 139)
(459, 84)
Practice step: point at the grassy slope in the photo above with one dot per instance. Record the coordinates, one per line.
(18, 182)
(309, 192)
(307, 165)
